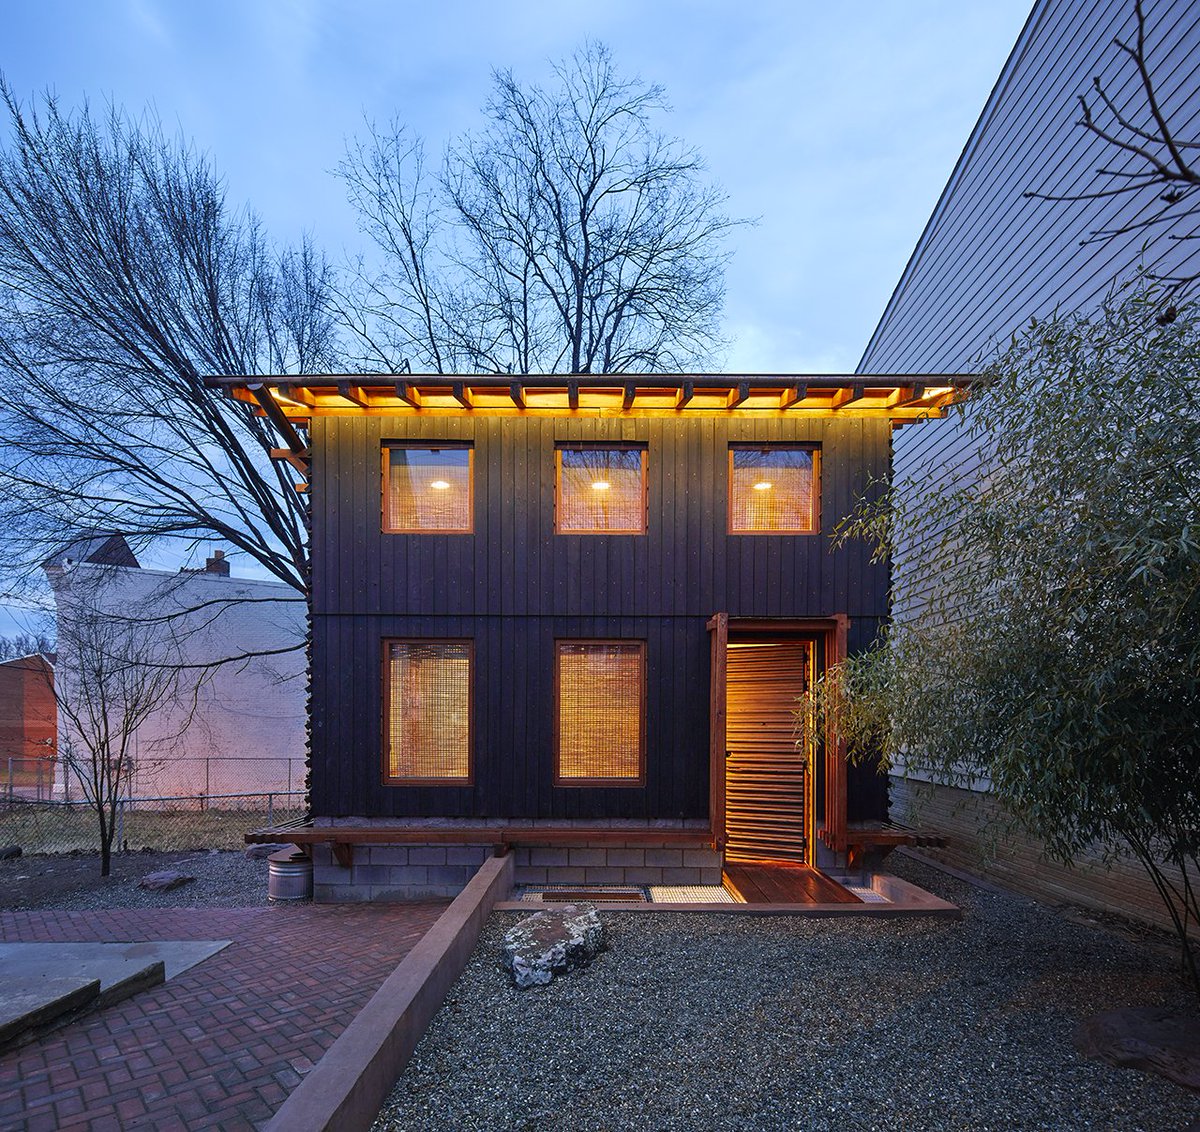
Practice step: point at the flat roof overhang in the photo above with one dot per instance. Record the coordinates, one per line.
(899, 397)
(291, 401)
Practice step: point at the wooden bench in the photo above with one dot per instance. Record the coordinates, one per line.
(867, 844)
(501, 838)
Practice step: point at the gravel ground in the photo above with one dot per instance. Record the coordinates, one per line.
(720, 1022)
(72, 882)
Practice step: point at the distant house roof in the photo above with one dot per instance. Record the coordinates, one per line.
(33, 661)
(101, 548)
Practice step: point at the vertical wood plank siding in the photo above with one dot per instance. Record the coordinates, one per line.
(514, 586)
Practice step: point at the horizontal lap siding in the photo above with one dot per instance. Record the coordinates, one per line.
(513, 586)
(990, 259)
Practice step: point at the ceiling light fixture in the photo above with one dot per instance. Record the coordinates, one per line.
(601, 485)
(439, 485)
(762, 485)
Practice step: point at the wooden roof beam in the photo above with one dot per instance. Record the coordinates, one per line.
(627, 396)
(462, 394)
(275, 415)
(298, 460)
(409, 394)
(793, 395)
(848, 395)
(517, 392)
(737, 395)
(686, 392)
(351, 393)
(573, 395)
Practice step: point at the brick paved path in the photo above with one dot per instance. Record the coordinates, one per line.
(219, 1046)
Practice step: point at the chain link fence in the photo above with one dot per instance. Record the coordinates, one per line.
(44, 778)
(216, 821)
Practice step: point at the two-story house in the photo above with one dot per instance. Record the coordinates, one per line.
(576, 616)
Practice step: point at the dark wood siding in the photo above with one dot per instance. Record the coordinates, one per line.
(514, 586)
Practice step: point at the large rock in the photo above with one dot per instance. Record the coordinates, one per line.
(551, 943)
(164, 881)
(1151, 1038)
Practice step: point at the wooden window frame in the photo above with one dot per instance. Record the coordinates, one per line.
(385, 666)
(561, 446)
(427, 446)
(782, 446)
(606, 783)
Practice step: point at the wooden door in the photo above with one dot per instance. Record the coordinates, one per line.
(765, 771)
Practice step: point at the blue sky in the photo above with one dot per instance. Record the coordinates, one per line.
(836, 126)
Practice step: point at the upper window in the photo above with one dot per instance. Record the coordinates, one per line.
(773, 488)
(600, 713)
(427, 712)
(600, 490)
(427, 488)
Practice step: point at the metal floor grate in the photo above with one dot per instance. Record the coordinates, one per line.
(866, 895)
(626, 894)
(578, 893)
(690, 894)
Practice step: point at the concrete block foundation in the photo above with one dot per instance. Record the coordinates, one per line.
(435, 872)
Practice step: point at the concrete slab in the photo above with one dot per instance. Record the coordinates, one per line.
(30, 1002)
(43, 983)
(118, 976)
(107, 961)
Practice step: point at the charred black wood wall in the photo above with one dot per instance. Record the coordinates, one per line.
(514, 586)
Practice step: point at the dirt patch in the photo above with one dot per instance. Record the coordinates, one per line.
(73, 881)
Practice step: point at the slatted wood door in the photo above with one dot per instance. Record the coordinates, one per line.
(764, 770)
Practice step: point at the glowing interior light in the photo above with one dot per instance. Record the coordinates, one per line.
(762, 485)
(439, 485)
(601, 485)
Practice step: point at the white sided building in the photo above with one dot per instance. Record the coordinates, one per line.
(234, 722)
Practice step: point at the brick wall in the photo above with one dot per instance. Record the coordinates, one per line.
(28, 732)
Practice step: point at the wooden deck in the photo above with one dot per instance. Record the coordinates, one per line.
(784, 882)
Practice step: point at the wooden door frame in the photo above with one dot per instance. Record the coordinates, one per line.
(832, 632)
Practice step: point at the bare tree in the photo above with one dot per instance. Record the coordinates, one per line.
(25, 644)
(118, 677)
(1148, 160)
(567, 236)
(124, 279)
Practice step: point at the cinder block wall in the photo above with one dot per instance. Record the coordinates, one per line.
(602, 864)
(395, 872)
(428, 872)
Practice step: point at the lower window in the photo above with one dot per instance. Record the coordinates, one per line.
(600, 713)
(427, 712)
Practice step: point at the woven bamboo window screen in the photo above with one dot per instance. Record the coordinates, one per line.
(429, 710)
(601, 710)
(772, 489)
(428, 489)
(601, 490)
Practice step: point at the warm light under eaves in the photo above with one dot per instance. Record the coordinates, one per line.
(283, 398)
(439, 485)
(601, 485)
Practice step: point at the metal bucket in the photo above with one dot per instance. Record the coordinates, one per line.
(289, 875)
